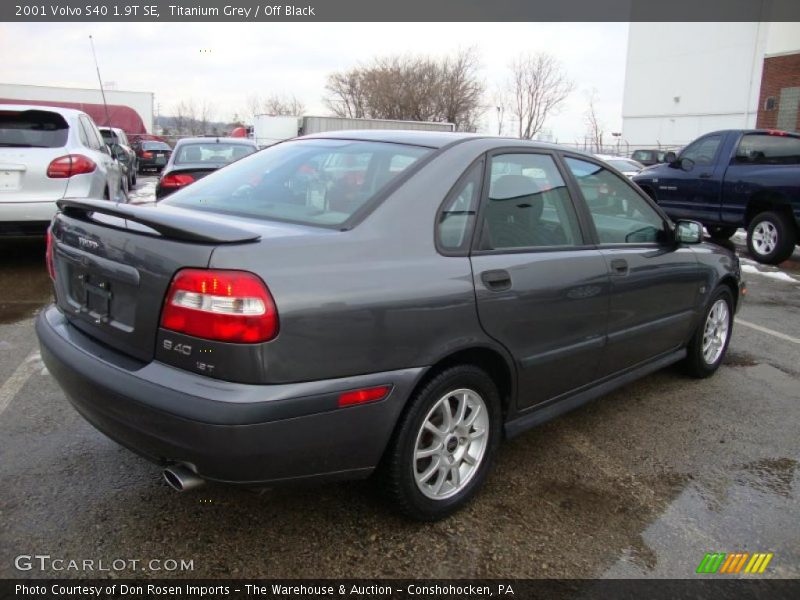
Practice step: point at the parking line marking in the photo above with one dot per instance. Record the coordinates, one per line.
(777, 334)
(14, 384)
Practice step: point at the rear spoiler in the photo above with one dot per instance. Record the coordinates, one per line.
(176, 224)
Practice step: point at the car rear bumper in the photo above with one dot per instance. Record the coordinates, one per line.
(235, 433)
(24, 217)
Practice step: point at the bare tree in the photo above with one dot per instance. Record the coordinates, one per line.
(278, 104)
(594, 127)
(537, 87)
(346, 96)
(205, 111)
(405, 87)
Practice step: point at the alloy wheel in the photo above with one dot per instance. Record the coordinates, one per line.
(715, 332)
(765, 238)
(451, 444)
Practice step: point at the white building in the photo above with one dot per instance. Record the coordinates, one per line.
(686, 79)
(141, 102)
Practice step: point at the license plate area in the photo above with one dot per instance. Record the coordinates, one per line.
(10, 180)
(99, 298)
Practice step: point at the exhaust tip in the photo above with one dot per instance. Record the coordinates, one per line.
(181, 479)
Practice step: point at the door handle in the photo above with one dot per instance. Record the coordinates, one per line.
(497, 280)
(704, 175)
(619, 267)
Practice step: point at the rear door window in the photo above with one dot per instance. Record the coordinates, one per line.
(32, 129)
(457, 216)
(527, 205)
(92, 135)
(768, 149)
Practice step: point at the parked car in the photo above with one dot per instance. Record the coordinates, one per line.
(626, 166)
(117, 140)
(152, 155)
(285, 320)
(48, 153)
(649, 157)
(194, 158)
(736, 178)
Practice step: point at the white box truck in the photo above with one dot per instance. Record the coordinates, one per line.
(271, 129)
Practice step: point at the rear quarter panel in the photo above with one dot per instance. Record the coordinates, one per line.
(376, 298)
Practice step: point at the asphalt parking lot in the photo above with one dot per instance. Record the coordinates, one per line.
(640, 483)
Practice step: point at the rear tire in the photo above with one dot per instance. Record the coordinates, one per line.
(434, 464)
(721, 232)
(771, 237)
(708, 346)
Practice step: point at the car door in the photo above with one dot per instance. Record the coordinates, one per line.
(541, 290)
(655, 283)
(693, 191)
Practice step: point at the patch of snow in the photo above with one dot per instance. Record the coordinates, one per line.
(778, 275)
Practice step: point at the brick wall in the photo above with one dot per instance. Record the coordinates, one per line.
(780, 82)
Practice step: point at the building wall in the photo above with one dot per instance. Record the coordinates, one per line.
(685, 79)
(141, 102)
(779, 102)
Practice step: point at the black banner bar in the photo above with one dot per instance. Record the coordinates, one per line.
(398, 10)
(711, 587)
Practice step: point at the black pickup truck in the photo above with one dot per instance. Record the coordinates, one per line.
(731, 179)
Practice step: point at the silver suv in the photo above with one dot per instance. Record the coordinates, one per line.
(46, 154)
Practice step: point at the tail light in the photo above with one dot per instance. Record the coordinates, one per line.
(51, 269)
(176, 181)
(228, 306)
(72, 164)
(777, 132)
(146, 154)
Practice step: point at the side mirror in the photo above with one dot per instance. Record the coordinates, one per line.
(117, 152)
(670, 157)
(686, 164)
(688, 232)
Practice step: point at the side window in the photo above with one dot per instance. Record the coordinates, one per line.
(703, 151)
(528, 205)
(457, 216)
(768, 149)
(92, 136)
(82, 134)
(620, 215)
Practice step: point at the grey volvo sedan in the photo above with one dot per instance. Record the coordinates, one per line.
(387, 302)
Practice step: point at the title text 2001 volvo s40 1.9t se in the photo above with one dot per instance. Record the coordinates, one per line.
(389, 302)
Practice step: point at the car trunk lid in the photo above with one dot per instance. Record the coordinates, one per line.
(114, 264)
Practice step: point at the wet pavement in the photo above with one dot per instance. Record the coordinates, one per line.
(641, 483)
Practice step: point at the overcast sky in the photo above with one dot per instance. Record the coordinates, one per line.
(240, 59)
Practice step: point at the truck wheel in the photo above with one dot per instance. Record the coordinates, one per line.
(707, 347)
(720, 232)
(771, 237)
(444, 444)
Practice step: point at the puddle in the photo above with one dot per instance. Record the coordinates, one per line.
(749, 507)
(739, 359)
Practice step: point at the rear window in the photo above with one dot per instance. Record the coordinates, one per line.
(314, 182)
(32, 129)
(766, 149)
(155, 146)
(211, 153)
(625, 165)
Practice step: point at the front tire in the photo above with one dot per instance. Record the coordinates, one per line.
(444, 444)
(709, 344)
(771, 237)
